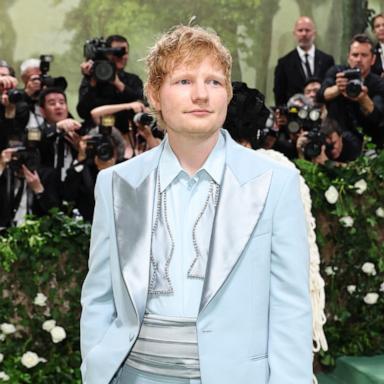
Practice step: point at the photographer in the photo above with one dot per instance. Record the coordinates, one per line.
(59, 140)
(300, 115)
(101, 148)
(354, 96)
(377, 25)
(142, 134)
(14, 112)
(96, 90)
(333, 145)
(23, 188)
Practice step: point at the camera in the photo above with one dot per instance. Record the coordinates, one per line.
(49, 81)
(15, 95)
(355, 83)
(27, 154)
(306, 117)
(143, 118)
(96, 49)
(316, 140)
(100, 144)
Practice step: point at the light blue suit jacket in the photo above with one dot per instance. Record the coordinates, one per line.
(254, 325)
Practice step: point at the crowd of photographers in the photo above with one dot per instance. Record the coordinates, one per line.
(49, 159)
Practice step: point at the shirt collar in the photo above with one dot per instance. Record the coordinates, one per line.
(170, 167)
(311, 52)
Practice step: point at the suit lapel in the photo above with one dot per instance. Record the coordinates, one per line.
(240, 206)
(133, 209)
(299, 65)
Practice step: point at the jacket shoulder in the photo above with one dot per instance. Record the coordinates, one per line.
(134, 170)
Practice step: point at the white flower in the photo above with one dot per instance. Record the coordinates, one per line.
(329, 271)
(40, 300)
(351, 289)
(1, 357)
(48, 325)
(331, 195)
(346, 221)
(2, 337)
(7, 328)
(380, 212)
(371, 298)
(360, 186)
(381, 287)
(369, 269)
(31, 359)
(4, 376)
(58, 334)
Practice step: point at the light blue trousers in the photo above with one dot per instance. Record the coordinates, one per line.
(130, 375)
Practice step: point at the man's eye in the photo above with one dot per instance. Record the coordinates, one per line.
(184, 81)
(214, 82)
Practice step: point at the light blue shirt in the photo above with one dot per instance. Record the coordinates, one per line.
(186, 196)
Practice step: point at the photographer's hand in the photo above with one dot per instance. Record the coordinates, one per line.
(5, 158)
(118, 84)
(338, 89)
(68, 125)
(8, 82)
(145, 131)
(366, 104)
(301, 142)
(10, 109)
(86, 67)
(322, 158)
(82, 147)
(33, 180)
(136, 107)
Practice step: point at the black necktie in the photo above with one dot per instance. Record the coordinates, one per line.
(307, 67)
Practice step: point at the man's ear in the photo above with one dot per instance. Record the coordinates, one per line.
(153, 98)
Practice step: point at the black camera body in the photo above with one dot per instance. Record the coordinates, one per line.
(15, 95)
(100, 144)
(143, 118)
(316, 140)
(27, 154)
(355, 82)
(49, 81)
(96, 49)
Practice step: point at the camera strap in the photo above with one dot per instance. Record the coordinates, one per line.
(18, 197)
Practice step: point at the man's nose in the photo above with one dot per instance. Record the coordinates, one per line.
(199, 91)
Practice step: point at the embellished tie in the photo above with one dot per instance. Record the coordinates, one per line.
(160, 258)
(307, 66)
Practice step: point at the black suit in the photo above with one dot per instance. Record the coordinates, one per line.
(378, 66)
(290, 77)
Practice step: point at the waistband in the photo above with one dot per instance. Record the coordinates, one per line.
(166, 346)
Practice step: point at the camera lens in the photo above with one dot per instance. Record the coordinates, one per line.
(353, 88)
(103, 71)
(105, 151)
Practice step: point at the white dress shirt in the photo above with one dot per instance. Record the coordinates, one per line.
(186, 197)
(311, 59)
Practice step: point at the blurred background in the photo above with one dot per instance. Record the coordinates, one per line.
(256, 31)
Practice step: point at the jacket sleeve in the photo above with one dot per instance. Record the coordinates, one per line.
(98, 309)
(280, 84)
(290, 318)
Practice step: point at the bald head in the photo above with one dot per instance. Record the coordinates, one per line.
(304, 32)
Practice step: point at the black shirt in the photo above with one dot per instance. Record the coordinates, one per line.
(106, 93)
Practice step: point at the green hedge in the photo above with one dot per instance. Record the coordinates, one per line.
(42, 257)
(49, 257)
